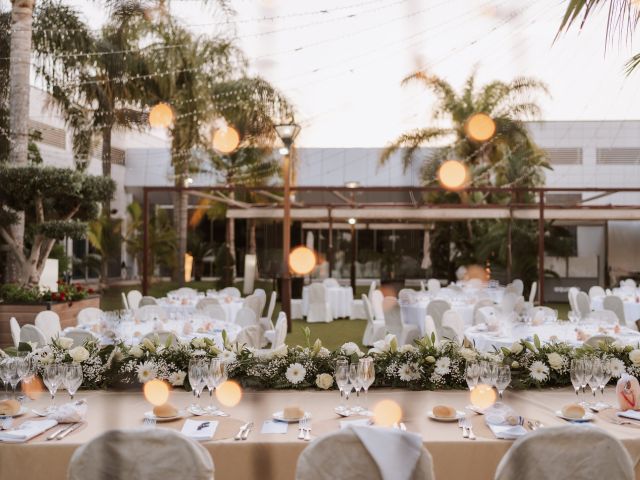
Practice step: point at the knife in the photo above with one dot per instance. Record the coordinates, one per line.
(73, 427)
(58, 432)
(245, 434)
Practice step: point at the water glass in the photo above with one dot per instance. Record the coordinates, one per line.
(342, 379)
(597, 375)
(503, 379)
(52, 376)
(357, 385)
(472, 374)
(72, 378)
(587, 366)
(606, 375)
(488, 373)
(576, 373)
(197, 375)
(366, 375)
(5, 374)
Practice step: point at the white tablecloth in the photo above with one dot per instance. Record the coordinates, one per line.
(176, 309)
(631, 306)
(415, 313)
(340, 299)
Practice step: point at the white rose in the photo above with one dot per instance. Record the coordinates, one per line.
(324, 381)
(407, 348)
(634, 356)
(324, 352)
(350, 348)
(65, 343)
(79, 354)
(516, 348)
(136, 351)
(555, 360)
(468, 354)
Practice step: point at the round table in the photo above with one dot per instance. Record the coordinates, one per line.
(188, 307)
(631, 306)
(340, 299)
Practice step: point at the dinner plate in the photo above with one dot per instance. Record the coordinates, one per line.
(21, 412)
(151, 416)
(588, 416)
(458, 416)
(280, 418)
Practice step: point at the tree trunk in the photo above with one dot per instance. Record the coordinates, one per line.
(106, 163)
(253, 248)
(19, 84)
(180, 207)
(231, 236)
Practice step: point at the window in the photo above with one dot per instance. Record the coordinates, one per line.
(618, 156)
(564, 156)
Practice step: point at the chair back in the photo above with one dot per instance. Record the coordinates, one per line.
(508, 303)
(583, 304)
(281, 331)
(518, 285)
(564, 455)
(629, 283)
(246, 317)
(372, 288)
(133, 299)
(511, 289)
(48, 322)
(185, 292)
(407, 295)
(79, 336)
(250, 336)
(368, 309)
(547, 312)
(616, 305)
(215, 311)
(31, 333)
(254, 303)
(433, 285)
(272, 307)
(151, 312)
(15, 331)
(571, 295)
(203, 303)
(161, 337)
(317, 293)
(485, 302)
(604, 316)
(376, 301)
(89, 316)
(231, 292)
(147, 300)
(532, 292)
(452, 327)
(392, 316)
(596, 291)
(148, 453)
(436, 309)
(125, 303)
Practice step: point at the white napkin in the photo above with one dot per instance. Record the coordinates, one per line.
(190, 429)
(27, 430)
(632, 414)
(271, 426)
(362, 422)
(394, 451)
(496, 419)
(69, 413)
(507, 432)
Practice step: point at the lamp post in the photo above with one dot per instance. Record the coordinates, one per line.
(287, 133)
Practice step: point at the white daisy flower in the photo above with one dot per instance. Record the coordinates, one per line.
(617, 367)
(538, 371)
(409, 371)
(443, 365)
(295, 373)
(146, 371)
(177, 378)
(227, 356)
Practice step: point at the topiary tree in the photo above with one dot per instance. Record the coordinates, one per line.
(57, 202)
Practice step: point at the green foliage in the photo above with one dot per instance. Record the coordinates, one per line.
(64, 262)
(59, 229)
(16, 294)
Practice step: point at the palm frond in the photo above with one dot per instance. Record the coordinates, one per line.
(410, 142)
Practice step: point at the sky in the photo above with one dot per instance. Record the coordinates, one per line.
(341, 62)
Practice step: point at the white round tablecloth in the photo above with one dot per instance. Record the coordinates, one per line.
(415, 313)
(175, 309)
(631, 307)
(340, 299)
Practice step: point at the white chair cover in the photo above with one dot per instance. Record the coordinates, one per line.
(330, 283)
(251, 336)
(125, 303)
(511, 289)
(186, 292)
(376, 302)
(375, 329)
(596, 291)
(629, 282)
(485, 302)
(147, 300)
(215, 311)
(203, 303)
(89, 315)
(407, 295)
(254, 303)
(161, 337)
(604, 316)
(436, 309)
(278, 335)
(583, 304)
(548, 312)
(508, 303)
(151, 312)
(405, 333)
(571, 295)
(149, 453)
(246, 317)
(231, 292)
(616, 305)
(15, 331)
(262, 295)
(518, 285)
(319, 307)
(79, 336)
(558, 453)
(48, 322)
(452, 327)
(268, 320)
(31, 333)
(372, 288)
(433, 285)
(532, 292)
(133, 299)
(342, 455)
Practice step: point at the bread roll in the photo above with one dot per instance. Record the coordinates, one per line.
(165, 411)
(9, 407)
(573, 410)
(444, 411)
(292, 413)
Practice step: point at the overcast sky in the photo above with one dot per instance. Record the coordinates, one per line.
(341, 61)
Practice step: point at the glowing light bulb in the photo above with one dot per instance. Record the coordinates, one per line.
(387, 413)
(302, 260)
(452, 175)
(229, 393)
(156, 392)
(226, 140)
(352, 221)
(161, 116)
(480, 127)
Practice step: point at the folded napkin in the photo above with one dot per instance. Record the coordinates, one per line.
(632, 414)
(394, 451)
(272, 426)
(27, 430)
(496, 418)
(507, 432)
(69, 413)
(191, 429)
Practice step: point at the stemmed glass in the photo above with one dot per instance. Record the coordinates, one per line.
(197, 375)
(606, 375)
(357, 385)
(587, 366)
(14, 374)
(5, 375)
(216, 374)
(341, 375)
(503, 379)
(488, 373)
(597, 374)
(72, 378)
(472, 375)
(366, 376)
(577, 374)
(52, 377)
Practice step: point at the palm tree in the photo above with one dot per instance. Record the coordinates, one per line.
(105, 235)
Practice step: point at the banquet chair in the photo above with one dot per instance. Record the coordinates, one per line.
(14, 326)
(125, 304)
(215, 311)
(583, 304)
(518, 285)
(48, 322)
(186, 292)
(596, 291)
(372, 288)
(604, 316)
(629, 283)
(508, 303)
(616, 305)
(250, 336)
(246, 317)
(570, 452)
(511, 289)
(319, 307)
(596, 340)
(571, 295)
(376, 303)
(79, 336)
(375, 329)
(548, 312)
(133, 299)
(262, 295)
(278, 335)
(330, 283)
(532, 293)
(452, 327)
(203, 303)
(485, 302)
(436, 309)
(32, 334)
(231, 292)
(141, 454)
(267, 322)
(151, 312)
(487, 315)
(405, 333)
(147, 300)
(423, 287)
(253, 302)
(161, 338)
(358, 453)
(433, 285)
(89, 316)
(407, 295)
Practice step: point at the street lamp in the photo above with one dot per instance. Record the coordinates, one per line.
(287, 133)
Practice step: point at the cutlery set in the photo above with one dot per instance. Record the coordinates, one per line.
(64, 431)
(244, 431)
(467, 429)
(304, 430)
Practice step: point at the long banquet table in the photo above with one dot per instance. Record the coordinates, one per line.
(274, 456)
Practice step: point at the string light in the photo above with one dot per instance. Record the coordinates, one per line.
(453, 175)
(226, 140)
(161, 116)
(480, 127)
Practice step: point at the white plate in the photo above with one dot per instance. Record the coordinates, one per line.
(21, 412)
(588, 416)
(150, 415)
(458, 416)
(279, 417)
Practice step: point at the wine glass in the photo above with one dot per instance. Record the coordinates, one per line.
(587, 366)
(472, 375)
(357, 385)
(342, 378)
(72, 378)
(606, 375)
(197, 373)
(5, 375)
(13, 373)
(367, 375)
(597, 374)
(488, 373)
(52, 378)
(503, 379)
(576, 374)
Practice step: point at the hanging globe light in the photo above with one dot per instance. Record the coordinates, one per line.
(453, 175)
(161, 116)
(302, 260)
(480, 127)
(226, 140)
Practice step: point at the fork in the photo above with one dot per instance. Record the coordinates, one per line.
(149, 422)
(307, 435)
(471, 435)
(462, 424)
(301, 427)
